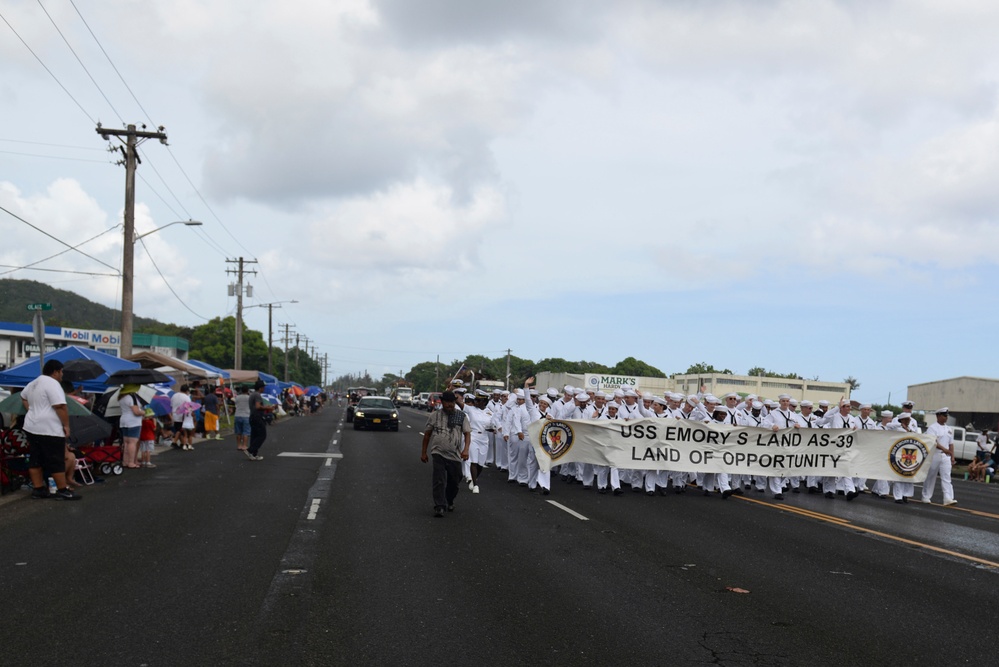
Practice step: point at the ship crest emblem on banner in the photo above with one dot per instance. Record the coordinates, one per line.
(556, 438)
(906, 456)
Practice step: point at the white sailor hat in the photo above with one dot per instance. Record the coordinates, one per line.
(806, 403)
(600, 394)
(647, 396)
(823, 403)
(865, 405)
(769, 403)
(887, 413)
(711, 398)
(519, 393)
(459, 390)
(757, 405)
(907, 404)
(568, 389)
(943, 411)
(731, 394)
(457, 383)
(845, 401)
(590, 390)
(545, 398)
(692, 400)
(534, 392)
(504, 393)
(783, 397)
(613, 404)
(720, 408)
(751, 397)
(496, 391)
(630, 392)
(794, 402)
(904, 415)
(660, 401)
(619, 393)
(582, 396)
(481, 394)
(553, 392)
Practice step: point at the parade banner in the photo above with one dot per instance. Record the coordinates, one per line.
(690, 446)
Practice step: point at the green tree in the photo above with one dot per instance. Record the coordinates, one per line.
(853, 382)
(632, 366)
(215, 343)
(705, 369)
(426, 375)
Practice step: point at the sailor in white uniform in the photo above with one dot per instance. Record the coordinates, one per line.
(942, 459)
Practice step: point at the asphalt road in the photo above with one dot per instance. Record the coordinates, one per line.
(213, 559)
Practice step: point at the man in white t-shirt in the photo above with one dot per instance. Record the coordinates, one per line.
(46, 424)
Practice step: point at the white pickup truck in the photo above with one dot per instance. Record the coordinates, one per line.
(966, 443)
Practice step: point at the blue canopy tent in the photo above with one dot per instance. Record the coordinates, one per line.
(28, 370)
(208, 367)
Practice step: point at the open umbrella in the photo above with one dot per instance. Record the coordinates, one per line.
(161, 405)
(87, 429)
(80, 370)
(138, 376)
(12, 405)
(189, 408)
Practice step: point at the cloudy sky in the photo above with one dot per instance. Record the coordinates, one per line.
(807, 186)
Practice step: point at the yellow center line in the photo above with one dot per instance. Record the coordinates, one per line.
(797, 510)
(846, 524)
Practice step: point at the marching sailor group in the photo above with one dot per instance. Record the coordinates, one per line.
(500, 420)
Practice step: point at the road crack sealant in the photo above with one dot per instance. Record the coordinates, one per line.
(283, 610)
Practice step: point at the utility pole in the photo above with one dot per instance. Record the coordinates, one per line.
(508, 370)
(287, 339)
(437, 373)
(238, 290)
(128, 247)
(298, 367)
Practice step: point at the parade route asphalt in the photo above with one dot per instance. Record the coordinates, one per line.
(327, 553)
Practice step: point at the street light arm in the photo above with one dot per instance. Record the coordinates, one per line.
(189, 223)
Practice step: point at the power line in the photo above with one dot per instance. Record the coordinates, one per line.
(167, 283)
(38, 229)
(28, 266)
(73, 51)
(54, 77)
(111, 62)
(149, 117)
(42, 143)
(169, 189)
(81, 273)
(57, 157)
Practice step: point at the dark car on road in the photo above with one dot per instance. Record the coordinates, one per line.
(376, 412)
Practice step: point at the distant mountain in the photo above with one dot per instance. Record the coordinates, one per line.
(71, 310)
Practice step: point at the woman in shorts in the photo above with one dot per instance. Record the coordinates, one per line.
(130, 424)
(242, 416)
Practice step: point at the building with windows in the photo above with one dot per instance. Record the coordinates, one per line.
(17, 342)
(720, 384)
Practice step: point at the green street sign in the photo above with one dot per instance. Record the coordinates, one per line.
(39, 306)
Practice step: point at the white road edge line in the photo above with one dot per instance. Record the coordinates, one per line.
(566, 509)
(314, 509)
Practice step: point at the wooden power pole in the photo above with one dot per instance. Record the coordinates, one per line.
(131, 136)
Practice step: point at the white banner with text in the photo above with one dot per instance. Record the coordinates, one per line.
(689, 446)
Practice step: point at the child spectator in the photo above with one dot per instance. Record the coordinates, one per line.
(147, 441)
